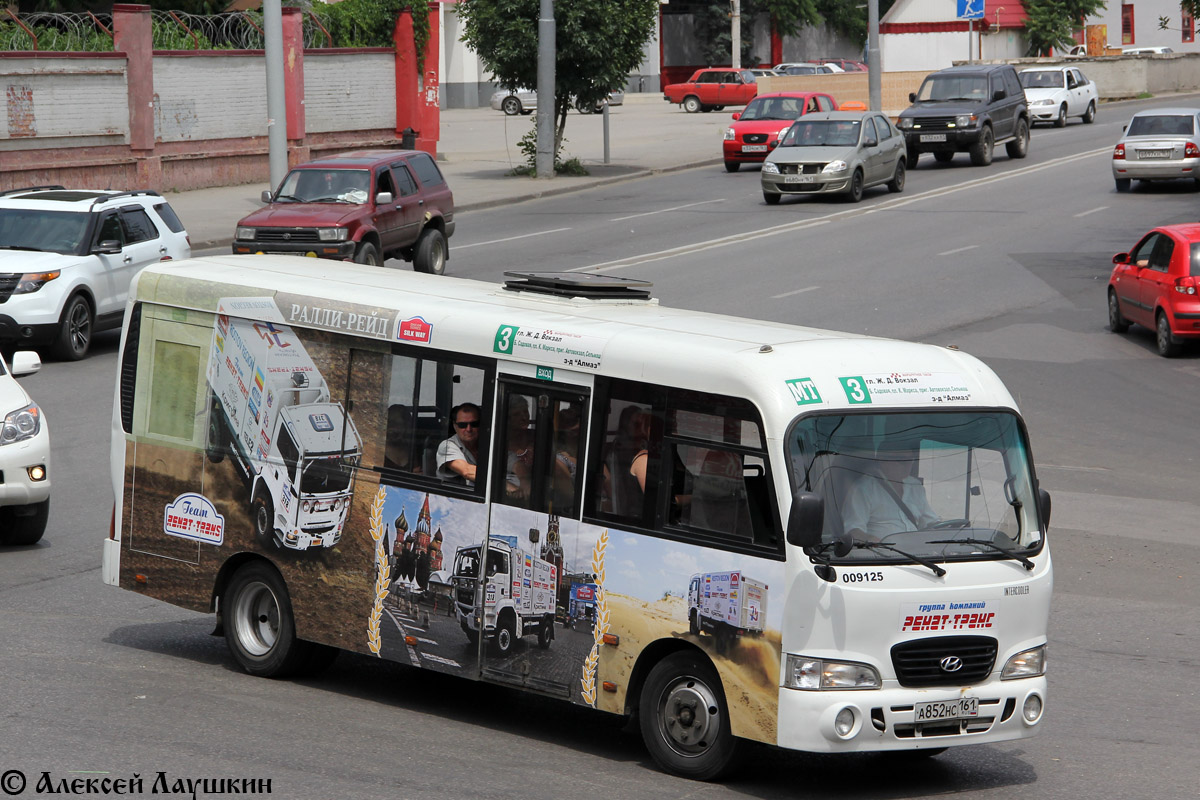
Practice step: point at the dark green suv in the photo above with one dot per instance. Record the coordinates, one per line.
(967, 109)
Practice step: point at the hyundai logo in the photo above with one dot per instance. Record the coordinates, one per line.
(951, 664)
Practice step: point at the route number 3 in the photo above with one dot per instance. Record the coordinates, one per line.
(506, 336)
(856, 390)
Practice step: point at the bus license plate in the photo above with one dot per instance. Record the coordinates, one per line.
(754, 148)
(961, 708)
(933, 137)
(799, 178)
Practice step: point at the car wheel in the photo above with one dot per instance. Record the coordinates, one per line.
(943, 157)
(367, 254)
(584, 108)
(1124, 184)
(731, 166)
(856, 186)
(1116, 320)
(510, 106)
(431, 252)
(1089, 116)
(258, 622)
(691, 104)
(684, 718)
(896, 184)
(981, 151)
(74, 330)
(772, 199)
(1019, 147)
(1061, 120)
(24, 525)
(1168, 347)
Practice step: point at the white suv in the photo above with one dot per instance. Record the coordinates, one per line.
(24, 456)
(67, 257)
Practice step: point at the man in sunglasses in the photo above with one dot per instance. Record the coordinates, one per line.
(456, 456)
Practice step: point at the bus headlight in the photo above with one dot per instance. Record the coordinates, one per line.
(1028, 664)
(814, 673)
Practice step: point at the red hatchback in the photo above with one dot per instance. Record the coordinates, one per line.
(756, 131)
(1155, 285)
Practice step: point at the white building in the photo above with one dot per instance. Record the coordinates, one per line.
(923, 35)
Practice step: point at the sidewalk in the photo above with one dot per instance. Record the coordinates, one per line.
(479, 148)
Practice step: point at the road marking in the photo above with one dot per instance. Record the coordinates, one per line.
(414, 659)
(512, 238)
(1093, 211)
(796, 291)
(665, 210)
(799, 225)
(959, 250)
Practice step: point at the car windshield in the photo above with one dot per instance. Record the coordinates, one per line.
(49, 231)
(325, 186)
(1043, 79)
(940, 486)
(1161, 125)
(326, 476)
(822, 133)
(786, 108)
(942, 88)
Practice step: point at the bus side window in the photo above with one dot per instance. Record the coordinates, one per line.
(625, 444)
(539, 442)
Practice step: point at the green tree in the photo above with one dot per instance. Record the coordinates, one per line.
(1053, 23)
(598, 43)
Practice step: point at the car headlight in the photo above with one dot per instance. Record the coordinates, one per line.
(24, 423)
(814, 674)
(965, 120)
(332, 234)
(245, 234)
(32, 281)
(783, 132)
(1026, 664)
(836, 166)
(771, 167)
(729, 135)
(1043, 102)
(904, 123)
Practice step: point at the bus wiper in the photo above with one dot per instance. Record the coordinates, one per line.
(1025, 562)
(916, 559)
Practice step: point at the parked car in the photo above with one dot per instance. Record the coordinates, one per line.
(757, 130)
(366, 206)
(808, 69)
(66, 259)
(835, 152)
(847, 65)
(1155, 285)
(968, 108)
(524, 101)
(764, 73)
(1146, 51)
(24, 455)
(1055, 93)
(710, 89)
(1159, 144)
(1077, 51)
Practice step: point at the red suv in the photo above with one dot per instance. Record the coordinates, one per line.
(1155, 284)
(756, 131)
(713, 88)
(364, 206)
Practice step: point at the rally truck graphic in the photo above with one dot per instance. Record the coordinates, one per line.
(518, 594)
(271, 413)
(726, 605)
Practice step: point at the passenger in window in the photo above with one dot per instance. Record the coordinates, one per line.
(397, 453)
(888, 498)
(566, 457)
(458, 455)
(519, 439)
(624, 486)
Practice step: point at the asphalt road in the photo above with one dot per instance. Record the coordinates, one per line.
(1008, 262)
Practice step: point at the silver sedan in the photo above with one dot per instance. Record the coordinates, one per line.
(524, 101)
(1159, 144)
(835, 152)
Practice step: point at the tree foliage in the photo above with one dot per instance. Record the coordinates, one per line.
(1054, 23)
(598, 42)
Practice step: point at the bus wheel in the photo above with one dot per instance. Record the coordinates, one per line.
(684, 719)
(505, 637)
(259, 627)
(264, 519)
(546, 633)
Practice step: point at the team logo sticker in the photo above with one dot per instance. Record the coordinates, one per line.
(193, 516)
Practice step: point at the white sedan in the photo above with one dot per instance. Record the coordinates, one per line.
(1055, 93)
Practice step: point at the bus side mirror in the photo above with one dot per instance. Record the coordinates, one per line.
(806, 519)
(1044, 506)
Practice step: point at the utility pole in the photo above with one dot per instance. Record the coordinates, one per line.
(735, 11)
(276, 102)
(544, 162)
(874, 63)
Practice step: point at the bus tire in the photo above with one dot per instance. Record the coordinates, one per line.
(506, 635)
(259, 627)
(264, 519)
(684, 718)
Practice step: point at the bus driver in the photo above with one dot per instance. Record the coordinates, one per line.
(888, 499)
(457, 456)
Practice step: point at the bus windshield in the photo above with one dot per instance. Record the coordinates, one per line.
(939, 486)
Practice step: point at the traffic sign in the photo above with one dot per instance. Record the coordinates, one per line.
(970, 9)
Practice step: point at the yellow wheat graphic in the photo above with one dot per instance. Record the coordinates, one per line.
(381, 572)
(588, 682)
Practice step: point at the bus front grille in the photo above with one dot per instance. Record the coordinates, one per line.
(944, 660)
